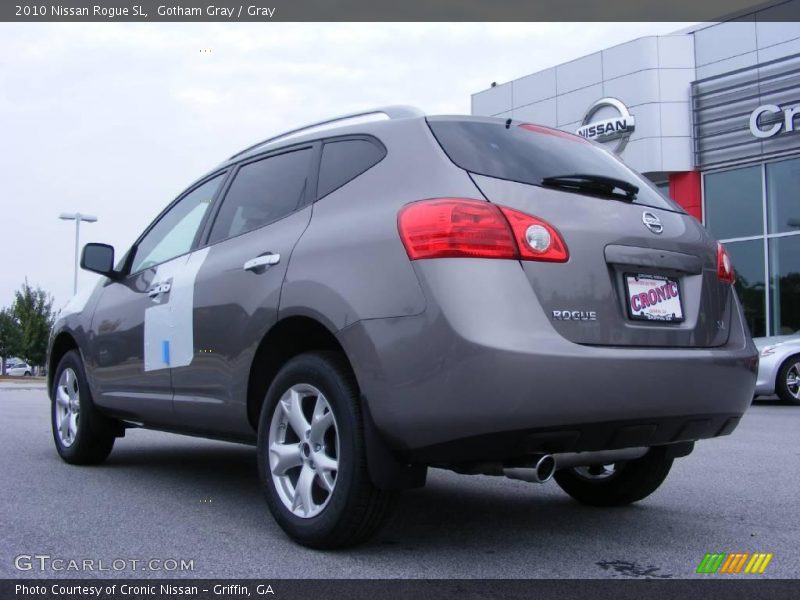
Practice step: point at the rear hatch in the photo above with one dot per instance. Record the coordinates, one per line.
(641, 272)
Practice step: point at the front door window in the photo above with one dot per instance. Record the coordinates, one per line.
(175, 232)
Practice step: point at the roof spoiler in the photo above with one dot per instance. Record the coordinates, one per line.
(393, 112)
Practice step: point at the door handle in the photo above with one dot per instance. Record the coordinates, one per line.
(158, 289)
(265, 260)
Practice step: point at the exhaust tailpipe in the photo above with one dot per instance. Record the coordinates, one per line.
(540, 471)
(540, 468)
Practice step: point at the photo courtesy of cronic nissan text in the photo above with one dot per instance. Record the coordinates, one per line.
(359, 300)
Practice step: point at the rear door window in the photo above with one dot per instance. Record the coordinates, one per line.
(261, 193)
(344, 160)
(530, 153)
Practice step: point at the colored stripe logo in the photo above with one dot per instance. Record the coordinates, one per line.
(736, 562)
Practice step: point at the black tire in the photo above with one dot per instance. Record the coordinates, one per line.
(631, 481)
(781, 386)
(355, 509)
(27, 374)
(94, 439)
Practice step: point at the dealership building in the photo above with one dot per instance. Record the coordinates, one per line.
(711, 115)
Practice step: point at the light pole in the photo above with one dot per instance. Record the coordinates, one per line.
(77, 217)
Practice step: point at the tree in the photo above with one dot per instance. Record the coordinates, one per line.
(33, 309)
(9, 337)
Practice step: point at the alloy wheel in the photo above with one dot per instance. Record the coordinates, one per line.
(303, 449)
(597, 472)
(793, 380)
(68, 407)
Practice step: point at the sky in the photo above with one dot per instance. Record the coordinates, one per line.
(116, 119)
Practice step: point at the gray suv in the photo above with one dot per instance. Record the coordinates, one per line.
(385, 292)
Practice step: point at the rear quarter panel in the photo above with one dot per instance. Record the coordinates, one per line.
(350, 264)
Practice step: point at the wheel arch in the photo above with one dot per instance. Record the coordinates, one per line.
(63, 342)
(294, 335)
(286, 339)
(780, 375)
(788, 358)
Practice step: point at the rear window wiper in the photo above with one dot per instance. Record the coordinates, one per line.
(598, 184)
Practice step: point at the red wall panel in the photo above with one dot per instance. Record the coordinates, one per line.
(685, 189)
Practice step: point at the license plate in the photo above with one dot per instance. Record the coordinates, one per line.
(653, 298)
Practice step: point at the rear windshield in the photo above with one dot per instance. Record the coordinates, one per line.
(530, 153)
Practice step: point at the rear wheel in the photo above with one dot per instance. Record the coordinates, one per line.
(83, 436)
(616, 484)
(312, 455)
(787, 385)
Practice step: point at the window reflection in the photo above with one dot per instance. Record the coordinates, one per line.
(783, 196)
(748, 261)
(734, 206)
(784, 256)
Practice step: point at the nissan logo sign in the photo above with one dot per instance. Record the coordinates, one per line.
(652, 222)
(616, 128)
(786, 123)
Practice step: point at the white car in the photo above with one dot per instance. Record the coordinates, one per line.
(779, 367)
(19, 369)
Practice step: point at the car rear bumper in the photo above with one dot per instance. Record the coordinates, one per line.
(482, 374)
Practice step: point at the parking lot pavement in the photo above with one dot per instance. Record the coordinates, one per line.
(162, 496)
(23, 383)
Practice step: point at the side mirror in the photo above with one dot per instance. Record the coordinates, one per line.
(99, 258)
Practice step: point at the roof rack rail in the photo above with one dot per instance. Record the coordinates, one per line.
(393, 112)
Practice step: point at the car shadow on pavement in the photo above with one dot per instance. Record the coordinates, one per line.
(448, 502)
(501, 515)
(771, 401)
(230, 468)
(490, 514)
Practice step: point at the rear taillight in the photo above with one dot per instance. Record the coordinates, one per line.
(535, 238)
(459, 227)
(448, 227)
(725, 272)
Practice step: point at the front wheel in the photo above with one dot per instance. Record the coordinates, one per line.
(312, 455)
(616, 484)
(787, 385)
(83, 436)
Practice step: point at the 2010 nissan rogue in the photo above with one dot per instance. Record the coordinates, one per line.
(385, 292)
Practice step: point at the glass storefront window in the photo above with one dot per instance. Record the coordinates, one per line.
(735, 205)
(663, 188)
(784, 282)
(783, 196)
(748, 261)
(733, 201)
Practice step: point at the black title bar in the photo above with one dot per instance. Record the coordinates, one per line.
(390, 10)
(351, 589)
